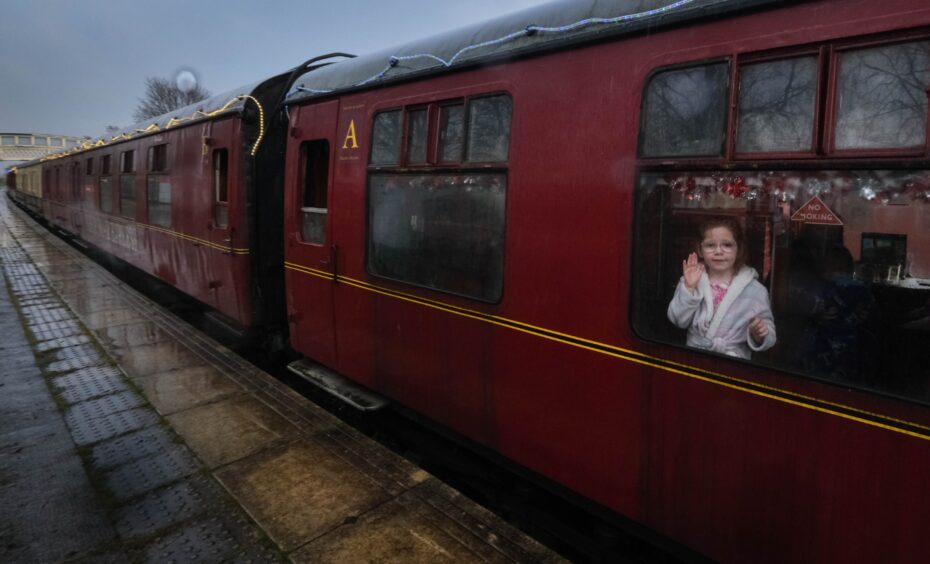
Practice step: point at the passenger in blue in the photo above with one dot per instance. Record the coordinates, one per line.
(834, 340)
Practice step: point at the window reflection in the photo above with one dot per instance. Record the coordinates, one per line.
(883, 97)
(685, 112)
(776, 106)
(385, 138)
(489, 129)
(441, 231)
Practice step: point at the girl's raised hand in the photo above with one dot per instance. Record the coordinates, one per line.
(692, 270)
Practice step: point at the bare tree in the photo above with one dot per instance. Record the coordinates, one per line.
(162, 95)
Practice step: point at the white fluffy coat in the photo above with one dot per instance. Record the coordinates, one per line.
(726, 330)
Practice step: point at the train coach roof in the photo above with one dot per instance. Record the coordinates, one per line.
(232, 101)
(551, 25)
(219, 104)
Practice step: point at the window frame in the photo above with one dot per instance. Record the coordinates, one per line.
(224, 178)
(127, 170)
(728, 117)
(825, 109)
(149, 178)
(435, 166)
(440, 109)
(823, 156)
(154, 165)
(835, 50)
(821, 54)
(303, 158)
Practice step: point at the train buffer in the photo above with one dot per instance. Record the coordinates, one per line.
(128, 436)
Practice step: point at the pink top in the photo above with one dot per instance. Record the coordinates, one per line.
(719, 290)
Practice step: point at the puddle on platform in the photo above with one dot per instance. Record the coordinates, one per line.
(109, 318)
(143, 360)
(182, 389)
(132, 335)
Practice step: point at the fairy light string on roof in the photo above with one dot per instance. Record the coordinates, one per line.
(173, 122)
(525, 32)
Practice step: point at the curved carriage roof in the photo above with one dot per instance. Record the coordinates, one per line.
(232, 101)
(552, 25)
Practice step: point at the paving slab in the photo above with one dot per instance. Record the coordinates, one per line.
(300, 491)
(231, 429)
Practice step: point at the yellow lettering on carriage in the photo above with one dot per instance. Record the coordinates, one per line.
(350, 135)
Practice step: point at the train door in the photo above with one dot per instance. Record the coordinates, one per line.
(310, 252)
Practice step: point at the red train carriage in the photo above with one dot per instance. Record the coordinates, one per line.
(495, 245)
(176, 198)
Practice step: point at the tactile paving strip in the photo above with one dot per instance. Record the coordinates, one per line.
(106, 405)
(41, 314)
(211, 540)
(58, 330)
(62, 343)
(258, 554)
(75, 351)
(146, 474)
(169, 506)
(75, 363)
(88, 383)
(88, 431)
(136, 445)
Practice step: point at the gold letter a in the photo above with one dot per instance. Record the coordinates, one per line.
(350, 135)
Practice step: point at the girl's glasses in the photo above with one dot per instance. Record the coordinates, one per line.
(725, 246)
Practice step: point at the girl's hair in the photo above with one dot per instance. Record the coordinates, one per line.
(734, 228)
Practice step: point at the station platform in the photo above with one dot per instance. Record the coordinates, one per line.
(128, 436)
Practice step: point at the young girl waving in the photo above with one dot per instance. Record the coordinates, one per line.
(719, 300)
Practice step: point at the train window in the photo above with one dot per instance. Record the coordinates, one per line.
(127, 196)
(105, 165)
(89, 167)
(417, 129)
(56, 142)
(685, 112)
(158, 158)
(489, 129)
(385, 138)
(220, 187)
(8, 140)
(127, 162)
(159, 200)
(451, 133)
(314, 158)
(40, 140)
(106, 195)
(882, 97)
(840, 271)
(24, 140)
(776, 106)
(440, 231)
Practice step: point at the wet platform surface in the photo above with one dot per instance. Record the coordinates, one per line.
(126, 436)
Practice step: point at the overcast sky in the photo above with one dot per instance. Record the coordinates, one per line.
(73, 67)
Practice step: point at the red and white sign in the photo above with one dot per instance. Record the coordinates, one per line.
(817, 213)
